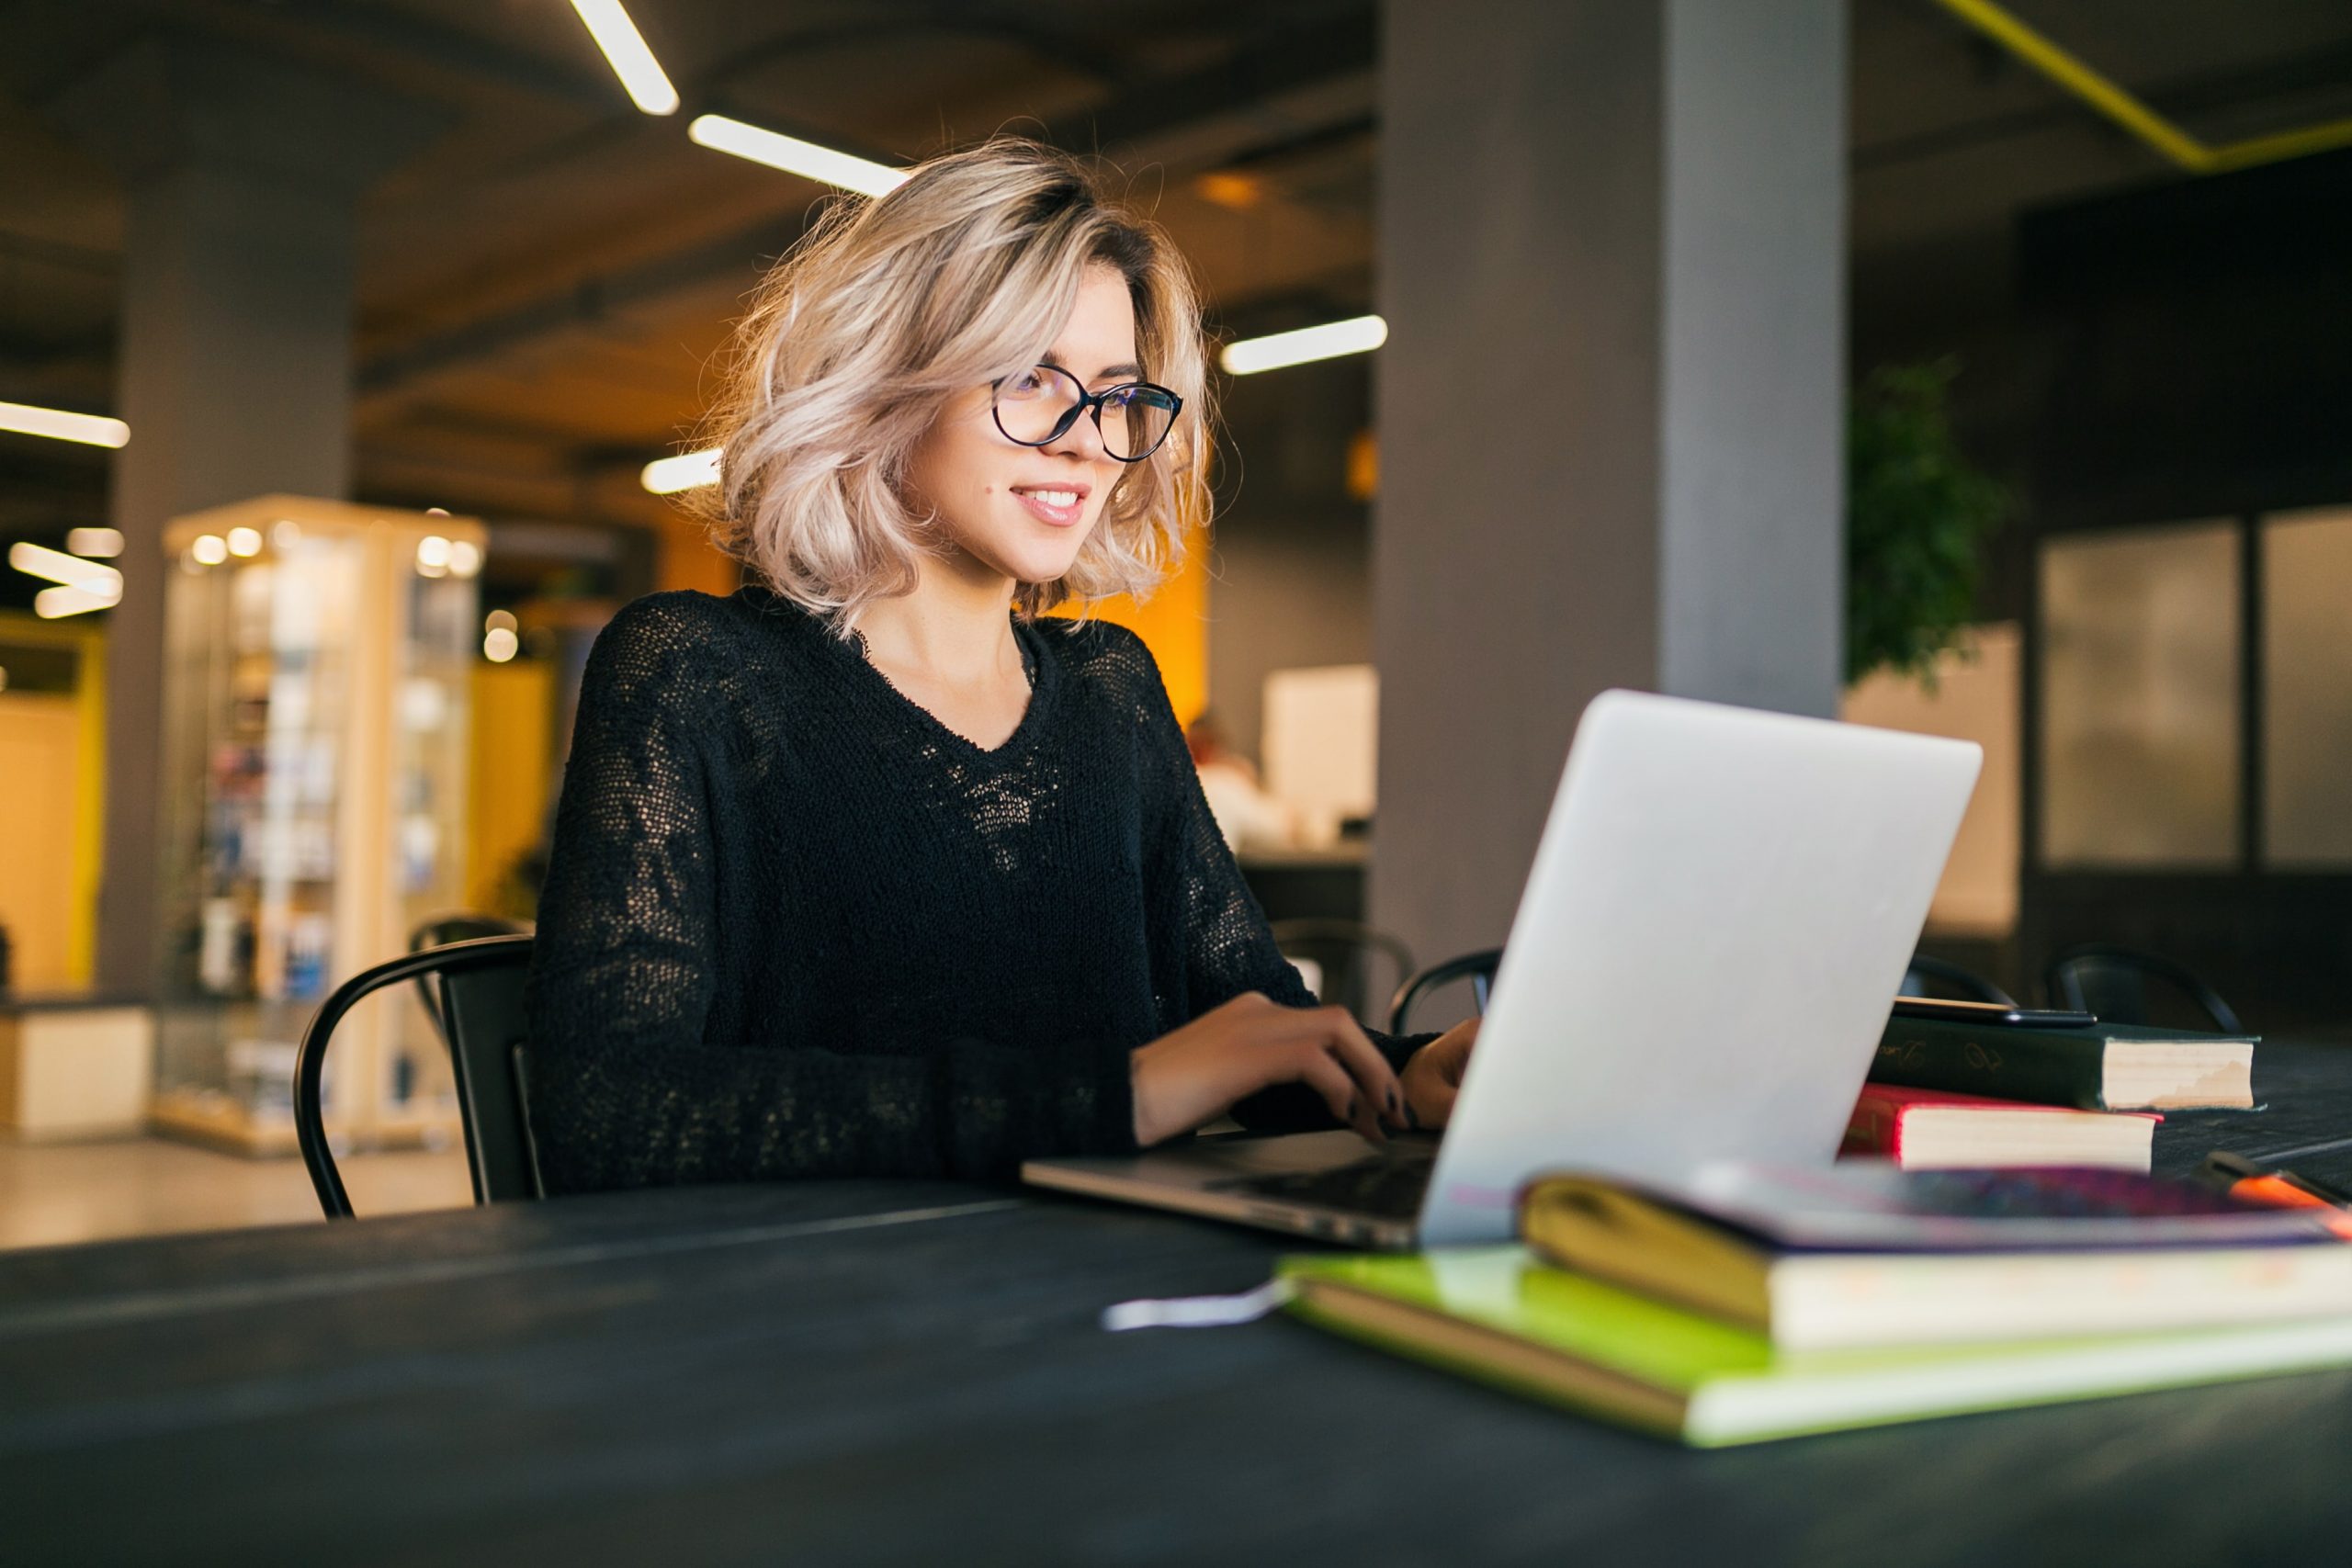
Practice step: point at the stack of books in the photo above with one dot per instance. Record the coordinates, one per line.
(1951, 1094)
(1759, 1305)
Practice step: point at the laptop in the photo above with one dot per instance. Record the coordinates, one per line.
(1721, 910)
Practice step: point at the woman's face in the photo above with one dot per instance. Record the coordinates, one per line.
(1023, 511)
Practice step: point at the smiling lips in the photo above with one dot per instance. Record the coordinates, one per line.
(1060, 505)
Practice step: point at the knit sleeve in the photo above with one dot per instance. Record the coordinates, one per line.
(626, 1091)
(1229, 949)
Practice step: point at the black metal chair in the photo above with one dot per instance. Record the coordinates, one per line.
(1938, 977)
(458, 925)
(480, 984)
(1478, 968)
(1346, 952)
(2122, 985)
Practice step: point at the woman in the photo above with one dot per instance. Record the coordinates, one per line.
(866, 869)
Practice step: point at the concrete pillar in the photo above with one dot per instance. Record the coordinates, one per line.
(234, 373)
(1611, 259)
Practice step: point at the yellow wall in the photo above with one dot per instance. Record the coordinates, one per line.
(688, 559)
(1173, 622)
(508, 782)
(52, 753)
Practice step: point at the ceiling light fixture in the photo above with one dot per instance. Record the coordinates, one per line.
(54, 604)
(795, 156)
(625, 50)
(1359, 334)
(688, 471)
(94, 578)
(93, 430)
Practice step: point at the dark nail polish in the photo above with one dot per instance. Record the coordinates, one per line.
(1412, 1118)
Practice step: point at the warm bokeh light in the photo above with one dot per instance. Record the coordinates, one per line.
(499, 645)
(465, 557)
(209, 549)
(103, 543)
(244, 541)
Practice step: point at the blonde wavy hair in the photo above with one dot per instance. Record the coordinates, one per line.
(885, 312)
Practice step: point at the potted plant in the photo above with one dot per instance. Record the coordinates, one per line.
(1917, 516)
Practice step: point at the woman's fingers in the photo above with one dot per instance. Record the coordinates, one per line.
(1332, 1031)
(1366, 1065)
(1319, 1068)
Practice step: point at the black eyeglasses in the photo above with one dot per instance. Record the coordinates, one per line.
(1038, 407)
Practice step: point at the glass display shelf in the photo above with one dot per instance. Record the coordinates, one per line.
(315, 741)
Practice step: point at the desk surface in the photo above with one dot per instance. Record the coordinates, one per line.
(904, 1372)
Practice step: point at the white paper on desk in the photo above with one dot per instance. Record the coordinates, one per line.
(1196, 1312)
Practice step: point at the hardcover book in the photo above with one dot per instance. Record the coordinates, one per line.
(1926, 1129)
(2104, 1067)
(1868, 1254)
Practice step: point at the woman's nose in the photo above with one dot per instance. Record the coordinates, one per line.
(1082, 439)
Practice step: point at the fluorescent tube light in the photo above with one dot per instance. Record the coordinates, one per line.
(95, 578)
(795, 156)
(1359, 334)
(95, 542)
(688, 471)
(51, 603)
(92, 429)
(625, 50)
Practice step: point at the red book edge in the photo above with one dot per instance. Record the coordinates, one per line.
(1876, 1126)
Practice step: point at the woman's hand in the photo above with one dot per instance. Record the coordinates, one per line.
(1433, 1074)
(1194, 1074)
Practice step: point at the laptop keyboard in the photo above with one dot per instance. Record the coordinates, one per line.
(1387, 1186)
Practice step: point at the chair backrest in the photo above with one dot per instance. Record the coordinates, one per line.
(462, 925)
(481, 996)
(1940, 977)
(458, 925)
(1347, 954)
(1478, 968)
(2122, 985)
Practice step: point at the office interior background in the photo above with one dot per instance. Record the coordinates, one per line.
(399, 302)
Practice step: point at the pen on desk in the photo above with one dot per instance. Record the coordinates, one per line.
(2242, 1178)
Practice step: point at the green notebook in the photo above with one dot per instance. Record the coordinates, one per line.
(1497, 1315)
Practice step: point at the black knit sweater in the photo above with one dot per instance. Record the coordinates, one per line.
(795, 926)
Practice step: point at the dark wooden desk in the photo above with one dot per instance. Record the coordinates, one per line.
(903, 1372)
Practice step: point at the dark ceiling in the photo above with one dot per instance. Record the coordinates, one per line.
(541, 288)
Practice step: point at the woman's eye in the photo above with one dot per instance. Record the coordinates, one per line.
(1028, 384)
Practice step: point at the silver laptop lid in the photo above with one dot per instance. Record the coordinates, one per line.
(1720, 911)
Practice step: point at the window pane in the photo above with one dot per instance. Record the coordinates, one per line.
(2140, 698)
(2307, 689)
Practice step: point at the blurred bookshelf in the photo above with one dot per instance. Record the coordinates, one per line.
(317, 700)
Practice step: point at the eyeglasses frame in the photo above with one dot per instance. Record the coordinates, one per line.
(1090, 404)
